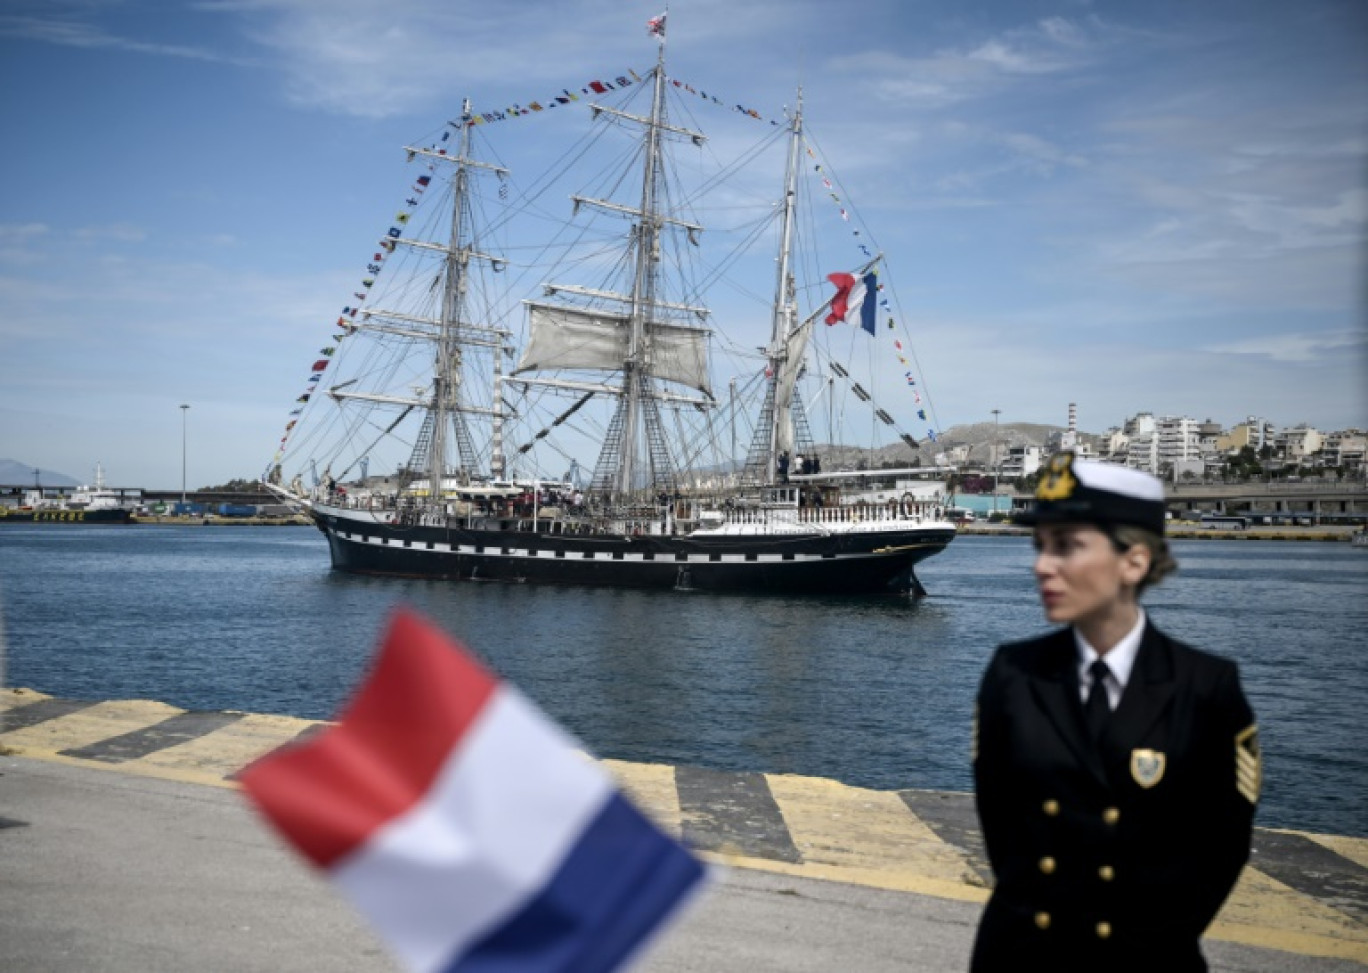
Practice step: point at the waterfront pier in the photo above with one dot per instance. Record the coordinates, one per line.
(124, 849)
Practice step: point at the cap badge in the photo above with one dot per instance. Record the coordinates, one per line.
(1147, 767)
(1059, 481)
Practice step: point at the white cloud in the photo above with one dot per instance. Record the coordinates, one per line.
(1296, 347)
(118, 232)
(996, 64)
(1063, 31)
(1043, 156)
(75, 33)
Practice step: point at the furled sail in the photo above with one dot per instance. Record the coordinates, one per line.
(795, 347)
(569, 337)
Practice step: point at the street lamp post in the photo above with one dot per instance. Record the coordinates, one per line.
(184, 410)
(997, 458)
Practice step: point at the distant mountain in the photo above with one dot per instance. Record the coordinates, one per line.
(14, 473)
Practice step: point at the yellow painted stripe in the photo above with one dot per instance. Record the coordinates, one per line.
(651, 787)
(1354, 849)
(1262, 911)
(224, 752)
(87, 726)
(10, 698)
(834, 824)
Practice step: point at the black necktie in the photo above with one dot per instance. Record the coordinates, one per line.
(1097, 709)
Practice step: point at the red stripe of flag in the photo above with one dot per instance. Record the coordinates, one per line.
(329, 794)
(840, 305)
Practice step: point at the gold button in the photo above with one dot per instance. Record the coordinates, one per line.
(1047, 865)
(1051, 808)
(1042, 920)
(1111, 815)
(1106, 873)
(1104, 930)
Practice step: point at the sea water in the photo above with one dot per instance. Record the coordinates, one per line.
(876, 692)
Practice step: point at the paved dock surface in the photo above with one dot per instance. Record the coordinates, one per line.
(125, 846)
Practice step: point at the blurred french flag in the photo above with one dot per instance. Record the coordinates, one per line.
(466, 826)
(856, 300)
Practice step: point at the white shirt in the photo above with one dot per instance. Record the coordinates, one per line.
(1120, 660)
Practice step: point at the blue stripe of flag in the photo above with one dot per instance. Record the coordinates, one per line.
(620, 881)
(869, 307)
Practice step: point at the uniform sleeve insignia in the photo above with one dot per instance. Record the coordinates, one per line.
(1248, 763)
(1058, 482)
(1147, 767)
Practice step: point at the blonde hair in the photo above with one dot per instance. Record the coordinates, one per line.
(1162, 563)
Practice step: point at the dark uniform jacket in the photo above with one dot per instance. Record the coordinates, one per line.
(1113, 855)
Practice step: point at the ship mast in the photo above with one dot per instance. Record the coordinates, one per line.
(448, 332)
(446, 386)
(635, 368)
(785, 303)
(631, 333)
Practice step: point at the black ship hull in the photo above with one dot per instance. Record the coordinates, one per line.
(871, 562)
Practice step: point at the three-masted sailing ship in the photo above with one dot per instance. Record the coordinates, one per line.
(430, 368)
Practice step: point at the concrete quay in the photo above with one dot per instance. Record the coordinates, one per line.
(124, 846)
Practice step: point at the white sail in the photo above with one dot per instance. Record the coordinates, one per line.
(567, 337)
(795, 347)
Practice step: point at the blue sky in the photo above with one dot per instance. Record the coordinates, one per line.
(1153, 206)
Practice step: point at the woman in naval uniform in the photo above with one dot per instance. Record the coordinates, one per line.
(1116, 769)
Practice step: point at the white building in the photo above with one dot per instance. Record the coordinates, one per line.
(1179, 440)
(1115, 444)
(1346, 449)
(1296, 444)
(1142, 442)
(1021, 461)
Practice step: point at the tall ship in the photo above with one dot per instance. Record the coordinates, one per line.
(532, 383)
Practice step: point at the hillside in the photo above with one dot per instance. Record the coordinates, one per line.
(15, 473)
(977, 436)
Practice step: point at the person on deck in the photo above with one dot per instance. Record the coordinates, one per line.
(1116, 769)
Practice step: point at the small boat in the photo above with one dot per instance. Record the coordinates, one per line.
(476, 377)
(1359, 538)
(88, 504)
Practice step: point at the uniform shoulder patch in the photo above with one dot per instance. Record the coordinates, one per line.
(1248, 763)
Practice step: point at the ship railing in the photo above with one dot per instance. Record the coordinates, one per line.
(896, 512)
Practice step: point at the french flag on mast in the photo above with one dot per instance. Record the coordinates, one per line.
(856, 300)
(463, 823)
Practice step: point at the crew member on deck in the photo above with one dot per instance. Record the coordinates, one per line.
(1116, 769)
